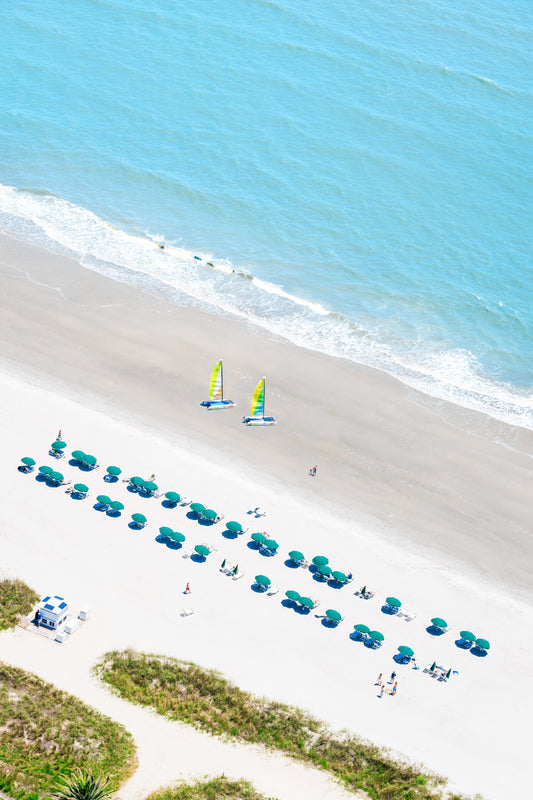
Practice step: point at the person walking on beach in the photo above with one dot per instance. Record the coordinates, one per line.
(187, 589)
(59, 435)
(382, 690)
(392, 677)
(312, 471)
(394, 689)
(380, 679)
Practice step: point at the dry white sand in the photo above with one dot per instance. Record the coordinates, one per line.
(415, 498)
(135, 587)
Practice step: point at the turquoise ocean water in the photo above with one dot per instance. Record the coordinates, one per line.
(356, 172)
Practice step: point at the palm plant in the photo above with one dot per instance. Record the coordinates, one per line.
(83, 785)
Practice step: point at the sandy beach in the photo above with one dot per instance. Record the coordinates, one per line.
(418, 498)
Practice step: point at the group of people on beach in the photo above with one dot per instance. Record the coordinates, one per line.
(393, 683)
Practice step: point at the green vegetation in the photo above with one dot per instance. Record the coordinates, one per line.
(220, 788)
(204, 698)
(46, 733)
(16, 600)
(83, 785)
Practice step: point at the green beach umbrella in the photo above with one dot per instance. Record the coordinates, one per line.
(78, 455)
(114, 471)
(103, 499)
(306, 601)
(150, 486)
(438, 622)
(394, 602)
(173, 497)
(377, 636)
(296, 555)
(89, 460)
(139, 518)
(234, 527)
(137, 480)
(177, 537)
(56, 476)
(320, 561)
(198, 508)
(202, 550)
(406, 651)
(28, 461)
(432, 667)
(361, 628)
(80, 487)
(467, 636)
(483, 643)
(262, 580)
(258, 537)
(292, 595)
(333, 615)
(164, 531)
(116, 505)
(324, 569)
(270, 544)
(45, 470)
(448, 674)
(210, 514)
(339, 576)
(58, 445)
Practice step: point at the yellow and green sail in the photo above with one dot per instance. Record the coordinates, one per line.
(215, 385)
(258, 399)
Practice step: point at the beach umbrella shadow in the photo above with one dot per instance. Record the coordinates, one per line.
(173, 545)
(258, 589)
(478, 652)
(111, 512)
(110, 478)
(463, 644)
(355, 636)
(253, 545)
(135, 526)
(390, 610)
(433, 630)
(230, 534)
(328, 623)
(168, 504)
(196, 557)
(291, 564)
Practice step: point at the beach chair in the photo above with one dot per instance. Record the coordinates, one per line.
(316, 603)
(56, 453)
(185, 501)
(409, 616)
(218, 518)
(186, 554)
(272, 590)
(186, 612)
(238, 576)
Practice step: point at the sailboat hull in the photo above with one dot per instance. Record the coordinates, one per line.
(259, 420)
(214, 405)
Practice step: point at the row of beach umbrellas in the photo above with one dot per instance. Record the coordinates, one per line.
(320, 562)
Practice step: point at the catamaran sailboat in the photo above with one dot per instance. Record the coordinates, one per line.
(216, 390)
(257, 411)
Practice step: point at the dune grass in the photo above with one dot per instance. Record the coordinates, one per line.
(16, 600)
(220, 788)
(46, 733)
(205, 699)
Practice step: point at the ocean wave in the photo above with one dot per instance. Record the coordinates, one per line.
(219, 285)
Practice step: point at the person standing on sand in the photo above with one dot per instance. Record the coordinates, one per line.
(394, 688)
(382, 690)
(187, 589)
(379, 680)
(312, 471)
(59, 435)
(392, 677)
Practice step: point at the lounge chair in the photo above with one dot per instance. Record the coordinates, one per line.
(218, 518)
(186, 612)
(185, 501)
(56, 453)
(238, 575)
(186, 554)
(408, 616)
(272, 590)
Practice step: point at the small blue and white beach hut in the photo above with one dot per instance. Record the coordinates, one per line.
(53, 611)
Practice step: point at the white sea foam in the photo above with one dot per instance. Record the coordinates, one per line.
(200, 280)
